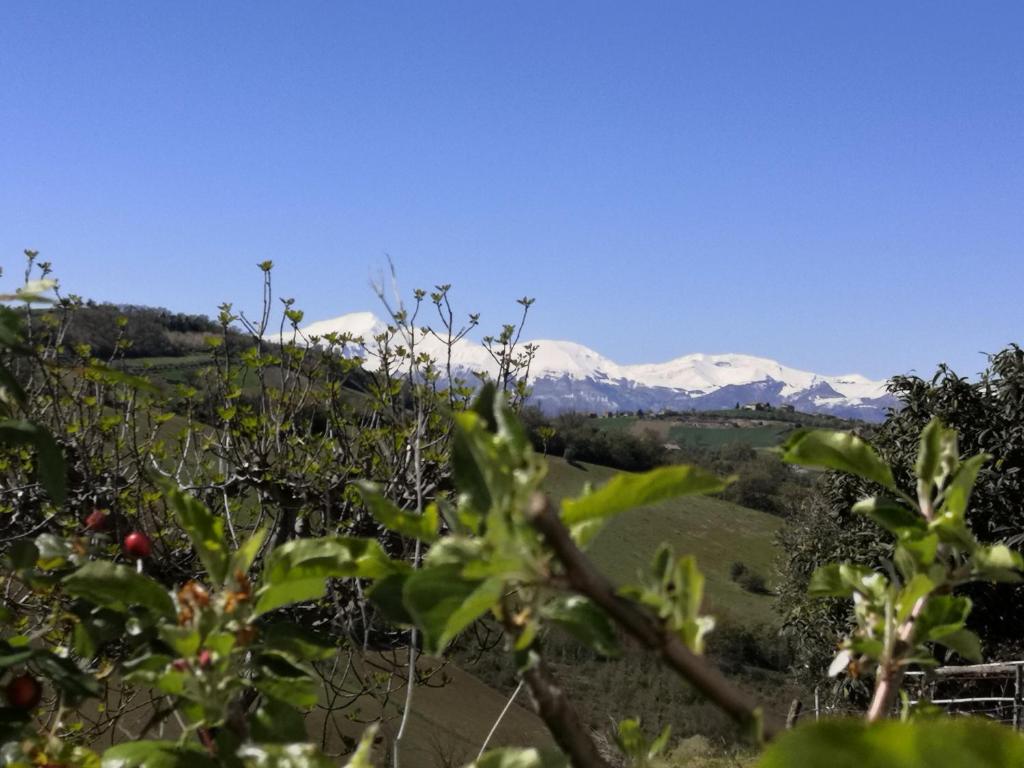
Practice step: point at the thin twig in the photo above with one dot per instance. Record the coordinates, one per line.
(504, 711)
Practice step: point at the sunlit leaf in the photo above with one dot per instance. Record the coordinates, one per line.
(628, 491)
(442, 602)
(156, 754)
(204, 529)
(407, 523)
(889, 744)
(584, 621)
(837, 450)
(118, 588)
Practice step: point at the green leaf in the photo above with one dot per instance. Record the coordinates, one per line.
(632, 741)
(275, 722)
(204, 529)
(584, 621)
(362, 757)
(964, 642)
(23, 554)
(510, 428)
(958, 493)
(843, 579)
(915, 589)
(685, 590)
(997, 563)
(470, 455)
(628, 491)
(442, 602)
(280, 677)
(49, 458)
(184, 641)
(890, 744)
(837, 450)
(409, 524)
(826, 581)
(937, 449)
(890, 515)
(298, 641)
(118, 587)
(922, 547)
(156, 754)
(11, 656)
(942, 615)
(242, 559)
(65, 675)
(299, 570)
(483, 406)
(585, 532)
(10, 389)
(386, 594)
(95, 628)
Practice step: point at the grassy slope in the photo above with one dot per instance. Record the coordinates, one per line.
(717, 532)
(453, 718)
(757, 437)
(753, 431)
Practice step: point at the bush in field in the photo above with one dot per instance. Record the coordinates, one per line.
(578, 438)
(748, 579)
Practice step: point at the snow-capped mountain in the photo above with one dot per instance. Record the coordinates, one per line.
(568, 376)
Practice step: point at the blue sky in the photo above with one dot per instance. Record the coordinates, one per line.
(840, 188)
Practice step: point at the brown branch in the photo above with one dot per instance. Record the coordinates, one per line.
(557, 712)
(642, 625)
(554, 706)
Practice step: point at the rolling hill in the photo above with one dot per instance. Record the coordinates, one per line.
(717, 532)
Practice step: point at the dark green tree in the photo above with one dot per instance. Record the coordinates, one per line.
(988, 414)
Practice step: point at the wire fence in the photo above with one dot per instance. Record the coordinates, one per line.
(994, 691)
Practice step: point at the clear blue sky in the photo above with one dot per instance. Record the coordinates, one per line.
(838, 186)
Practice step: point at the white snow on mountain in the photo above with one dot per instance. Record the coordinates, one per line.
(363, 324)
(692, 376)
(707, 373)
(567, 358)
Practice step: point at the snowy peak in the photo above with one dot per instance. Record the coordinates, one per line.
(708, 373)
(567, 358)
(569, 376)
(359, 324)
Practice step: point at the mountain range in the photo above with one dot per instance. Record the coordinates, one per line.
(566, 376)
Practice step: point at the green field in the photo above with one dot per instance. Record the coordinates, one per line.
(717, 532)
(617, 423)
(766, 436)
(744, 429)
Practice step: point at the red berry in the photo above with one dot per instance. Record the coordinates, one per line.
(24, 692)
(136, 544)
(98, 520)
(205, 659)
(180, 665)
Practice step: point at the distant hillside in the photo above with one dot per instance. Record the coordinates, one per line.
(717, 532)
(564, 376)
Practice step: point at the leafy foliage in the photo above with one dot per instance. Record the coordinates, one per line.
(261, 530)
(987, 417)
